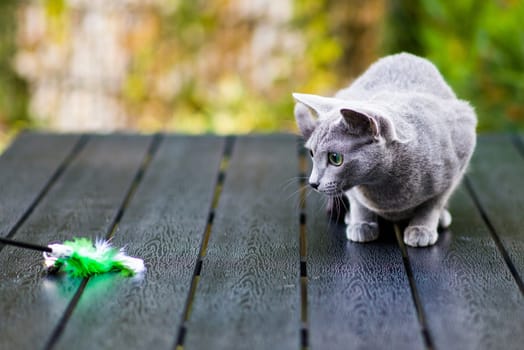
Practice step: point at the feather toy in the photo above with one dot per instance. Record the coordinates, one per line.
(81, 258)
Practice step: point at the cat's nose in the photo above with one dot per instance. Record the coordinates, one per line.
(314, 185)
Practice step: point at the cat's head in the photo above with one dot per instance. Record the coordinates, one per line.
(347, 140)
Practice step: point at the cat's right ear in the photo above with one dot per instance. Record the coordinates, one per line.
(304, 120)
(307, 105)
(318, 104)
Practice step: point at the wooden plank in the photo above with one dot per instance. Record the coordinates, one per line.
(496, 174)
(469, 296)
(163, 225)
(25, 169)
(358, 294)
(84, 201)
(248, 294)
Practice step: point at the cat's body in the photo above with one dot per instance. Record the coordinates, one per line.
(403, 141)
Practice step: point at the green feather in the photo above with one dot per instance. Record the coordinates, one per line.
(87, 259)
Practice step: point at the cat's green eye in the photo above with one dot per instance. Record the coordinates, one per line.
(335, 158)
(311, 153)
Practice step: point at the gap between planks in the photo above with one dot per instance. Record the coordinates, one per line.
(224, 165)
(413, 287)
(151, 151)
(222, 171)
(494, 235)
(79, 145)
(519, 145)
(304, 318)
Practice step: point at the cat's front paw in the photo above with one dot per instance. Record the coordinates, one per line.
(420, 236)
(362, 231)
(444, 220)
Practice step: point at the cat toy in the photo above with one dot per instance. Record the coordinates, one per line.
(81, 258)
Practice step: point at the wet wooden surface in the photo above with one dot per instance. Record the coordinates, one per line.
(235, 259)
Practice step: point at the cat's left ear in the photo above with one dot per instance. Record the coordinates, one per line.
(363, 119)
(360, 123)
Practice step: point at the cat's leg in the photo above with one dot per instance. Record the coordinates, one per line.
(444, 220)
(362, 224)
(422, 228)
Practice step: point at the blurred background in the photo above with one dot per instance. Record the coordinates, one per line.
(229, 66)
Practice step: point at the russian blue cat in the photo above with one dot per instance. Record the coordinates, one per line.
(396, 143)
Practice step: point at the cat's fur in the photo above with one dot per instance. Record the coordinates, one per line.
(406, 141)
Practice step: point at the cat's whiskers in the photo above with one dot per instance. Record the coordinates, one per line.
(297, 191)
(331, 211)
(341, 196)
(303, 193)
(293, 180)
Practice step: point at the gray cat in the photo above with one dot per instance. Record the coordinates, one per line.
(396, 142)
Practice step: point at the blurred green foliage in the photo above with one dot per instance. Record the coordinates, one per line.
(477, 45)
(13, 90)
(212, 93)
(323, 49)
(224, 94)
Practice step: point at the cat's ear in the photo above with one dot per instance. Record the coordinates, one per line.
(363, 119)
(304, 120)
(360, 123)
(307, 106)
(318, 104)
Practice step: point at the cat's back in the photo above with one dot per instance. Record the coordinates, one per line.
(401, 72)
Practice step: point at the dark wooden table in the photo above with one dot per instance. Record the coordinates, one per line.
(235, 259)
